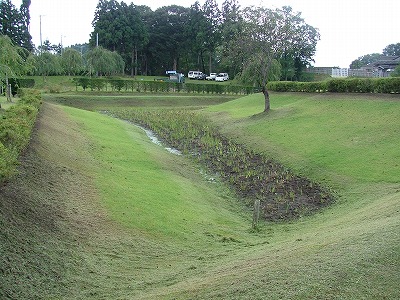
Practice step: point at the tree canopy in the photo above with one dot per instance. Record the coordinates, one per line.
(268, 35)
(14, 23)
(202, 37)
(392, 50)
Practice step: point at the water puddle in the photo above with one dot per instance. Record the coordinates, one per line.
(151, 135)
(156, 141)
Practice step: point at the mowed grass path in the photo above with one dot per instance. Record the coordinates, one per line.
(204, 245)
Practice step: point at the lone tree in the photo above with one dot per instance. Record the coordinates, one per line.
(268, 35)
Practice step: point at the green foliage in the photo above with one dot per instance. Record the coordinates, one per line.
(71, 62)
(392, 50)
(119, 27)
(26, 82)
(117, 84)
(104, 62)
(387, 85)
(396, 72)
(348, 85)
(268, 35)
(12, 59)
(48, 64)
(203, 37)
(365, 60)
(14, 23)
(16, 125)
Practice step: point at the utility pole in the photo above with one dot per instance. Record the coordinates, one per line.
(40, 28)
(41, 43)
(62, 43)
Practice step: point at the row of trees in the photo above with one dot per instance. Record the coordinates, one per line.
(97, 61)
(257, 44)
(16, 61)
(206, 38)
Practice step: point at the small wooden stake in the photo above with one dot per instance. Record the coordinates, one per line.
(256, 213)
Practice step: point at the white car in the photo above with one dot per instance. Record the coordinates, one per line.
(222, 77)
(211, 76)
(194, 74)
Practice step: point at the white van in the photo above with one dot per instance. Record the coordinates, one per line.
(222, 77)
(194, 74)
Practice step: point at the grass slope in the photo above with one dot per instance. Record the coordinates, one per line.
(347, 136)
(145, 224)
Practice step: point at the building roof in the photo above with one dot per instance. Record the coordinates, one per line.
(385, 62)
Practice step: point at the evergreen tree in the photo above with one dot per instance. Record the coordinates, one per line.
(25, 37)
(119, 27)
(14, 23)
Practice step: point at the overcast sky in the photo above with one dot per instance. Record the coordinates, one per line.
(348, 28)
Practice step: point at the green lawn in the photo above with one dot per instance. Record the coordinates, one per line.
(335, 254)
(338, 138)
(155, 193)
(157, 227)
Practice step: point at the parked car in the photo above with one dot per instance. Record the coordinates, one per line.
(222, 77)
(201, 76)
(194, 74)
(211, 76)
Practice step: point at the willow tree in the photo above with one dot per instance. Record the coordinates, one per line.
(12, 62)
(267, 35)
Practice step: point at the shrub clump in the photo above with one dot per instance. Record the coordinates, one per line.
(16, 125)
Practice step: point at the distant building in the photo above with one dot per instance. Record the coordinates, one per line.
(340, 72)
(381, 68)
(320, 70)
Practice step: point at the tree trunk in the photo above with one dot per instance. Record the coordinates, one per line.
(267, 102)
(136, 61)
(8, 90)
(209, 65)
(175, 64)
(132, 62)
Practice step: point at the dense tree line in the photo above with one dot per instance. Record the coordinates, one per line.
(253, 44)
(200, 37)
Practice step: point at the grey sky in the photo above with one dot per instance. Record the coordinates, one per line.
(348, 28)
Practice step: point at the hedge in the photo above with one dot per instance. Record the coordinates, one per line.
(390, 85)
(159, 86)
(16, 125)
